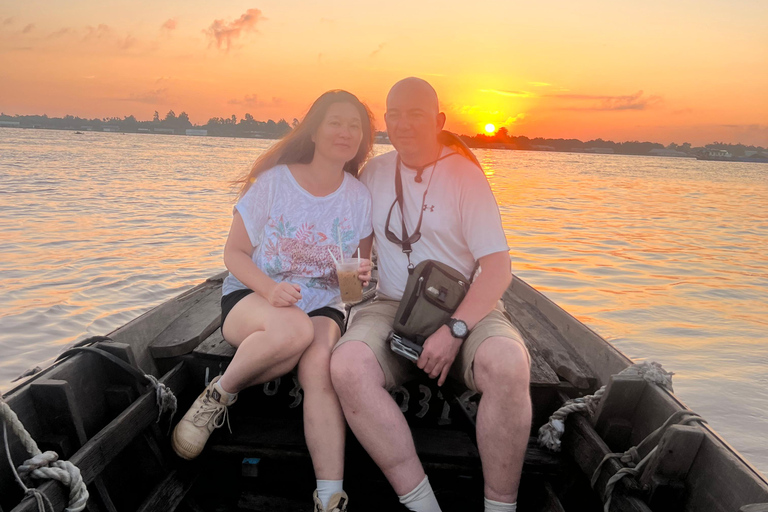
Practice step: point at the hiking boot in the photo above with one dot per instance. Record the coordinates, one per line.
(337, 503)
(208, 412)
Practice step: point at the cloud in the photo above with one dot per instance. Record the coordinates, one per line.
(8, 21)
(224, 34)
(152, 97)
(611, 103)
(60, 33)
(29, 28)
(169, 25)
(511, 94)
(99, 33)
(540, 84)
(377, 50)
(253, 101)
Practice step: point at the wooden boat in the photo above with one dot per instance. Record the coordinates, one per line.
(104, 419)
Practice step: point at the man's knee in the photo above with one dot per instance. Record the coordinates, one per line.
(503, 364)
(352, 365)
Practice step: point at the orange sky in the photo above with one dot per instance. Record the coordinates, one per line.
(631, 70)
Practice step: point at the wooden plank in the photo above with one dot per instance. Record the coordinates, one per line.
(614, 417)
(587, 449)
(171, 491)
(719, 479)
(666, 473)
(278, 438)
(215, 347)
(57, 404)
(755, 507)
(602, 358)
(141, 331)
(543, 339)
(551, 501)
(188, 330)
(260, 503)
(95, 454)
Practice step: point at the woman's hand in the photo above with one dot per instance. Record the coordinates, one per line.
(364, 271)
(284, 294)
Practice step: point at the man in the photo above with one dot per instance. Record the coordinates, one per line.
(461, 225)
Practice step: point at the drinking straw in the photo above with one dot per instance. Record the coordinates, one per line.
(341, 250)
(332, 256)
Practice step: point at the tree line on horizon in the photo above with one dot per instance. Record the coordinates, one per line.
(250, 127)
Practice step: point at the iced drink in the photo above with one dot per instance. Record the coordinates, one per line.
(350, 285)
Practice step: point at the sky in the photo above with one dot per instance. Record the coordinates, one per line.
(681, 71)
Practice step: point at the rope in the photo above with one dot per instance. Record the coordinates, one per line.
(166, 400)
(631, 457)
(46, 465)
(42, 465)
(551, 432)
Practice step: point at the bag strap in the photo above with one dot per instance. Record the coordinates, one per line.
(406, 241)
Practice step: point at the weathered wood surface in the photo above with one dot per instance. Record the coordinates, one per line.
(141, 331)
(56, 403)
(546, 343)
(186, 332)
(444, 448)
(215, 347)
(587, 449)
(602, 358)
(98, 451)
(666, 473)
(551, 501)
(614, 417)
(169, 493)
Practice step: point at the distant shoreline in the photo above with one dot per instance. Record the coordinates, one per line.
(474, 142)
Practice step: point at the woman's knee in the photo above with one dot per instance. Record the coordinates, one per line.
(315, 364)
(294, 327)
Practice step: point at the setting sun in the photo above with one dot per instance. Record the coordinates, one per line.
(489, 128)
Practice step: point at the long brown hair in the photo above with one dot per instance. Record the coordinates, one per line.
(298, 147)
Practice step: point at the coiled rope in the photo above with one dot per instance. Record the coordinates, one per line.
(42, 465)
(551, 432)
(46, 465)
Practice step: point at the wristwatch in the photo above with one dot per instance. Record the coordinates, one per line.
(458, 328)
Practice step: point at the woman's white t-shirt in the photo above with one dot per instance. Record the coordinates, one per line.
(292, 232)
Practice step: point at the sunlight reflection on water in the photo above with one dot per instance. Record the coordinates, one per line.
(663, 257)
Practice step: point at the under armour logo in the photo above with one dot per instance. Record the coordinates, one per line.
(428, 207)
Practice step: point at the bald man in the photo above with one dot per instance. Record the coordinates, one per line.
(460, 225)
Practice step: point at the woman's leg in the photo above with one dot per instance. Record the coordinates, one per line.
(269, 340)
(324, 426)
(269, 343)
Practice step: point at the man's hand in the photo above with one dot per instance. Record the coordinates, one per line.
(284, 294)
(364, 271)
(438, 354)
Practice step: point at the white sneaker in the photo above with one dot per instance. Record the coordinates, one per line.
(337, 503)
(208, 412)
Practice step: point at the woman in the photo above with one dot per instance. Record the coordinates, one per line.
(281, 304)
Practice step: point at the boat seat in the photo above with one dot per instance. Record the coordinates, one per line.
(264, 436)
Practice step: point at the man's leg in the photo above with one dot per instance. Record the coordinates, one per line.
(374, 416)
(502, 374)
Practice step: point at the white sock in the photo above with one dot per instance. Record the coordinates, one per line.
(497, 506)
(421, 499)
(228, 397)
(327, 488)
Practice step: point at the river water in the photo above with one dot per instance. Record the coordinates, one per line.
(666, 258)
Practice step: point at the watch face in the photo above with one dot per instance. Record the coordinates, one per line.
(459, 329)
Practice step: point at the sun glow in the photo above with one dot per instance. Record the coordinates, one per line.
(489, 128)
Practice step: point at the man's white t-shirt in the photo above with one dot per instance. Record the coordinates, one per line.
(292, 232)
(461, 217)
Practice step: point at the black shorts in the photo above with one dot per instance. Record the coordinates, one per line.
(229, 300)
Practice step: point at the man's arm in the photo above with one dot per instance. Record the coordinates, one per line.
(441, 348)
